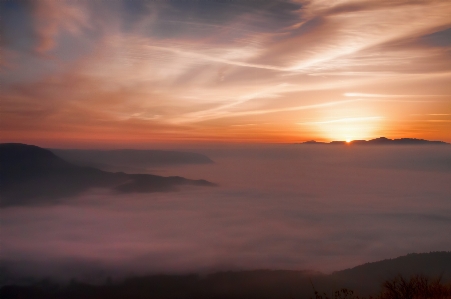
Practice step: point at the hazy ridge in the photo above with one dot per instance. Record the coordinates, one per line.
(30, 175)
(112, 160)
(365, 280)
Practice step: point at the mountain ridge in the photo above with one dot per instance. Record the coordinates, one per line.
(245, 284)
(130, 160)
(433, 264)
(30, 174)
(379, 141)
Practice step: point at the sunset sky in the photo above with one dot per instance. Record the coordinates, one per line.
(137, 73)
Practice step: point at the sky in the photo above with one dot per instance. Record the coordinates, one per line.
(105, 74)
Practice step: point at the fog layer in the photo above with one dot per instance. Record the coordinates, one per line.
(278, 207)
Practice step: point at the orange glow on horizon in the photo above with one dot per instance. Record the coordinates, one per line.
(375, 70)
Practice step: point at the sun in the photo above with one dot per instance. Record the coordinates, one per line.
(349, 128)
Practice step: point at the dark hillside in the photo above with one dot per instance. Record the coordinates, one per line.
(368, 277)
(365, 280)
(30, 175)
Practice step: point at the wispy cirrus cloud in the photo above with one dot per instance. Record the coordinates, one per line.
(53, 18)
(175, 65)
(268, 111)
(344, 120)
(374, 95)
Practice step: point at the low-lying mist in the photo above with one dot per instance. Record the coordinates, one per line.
(322, 208)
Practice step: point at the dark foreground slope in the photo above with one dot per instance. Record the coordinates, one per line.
(367, 279)
(30, 174)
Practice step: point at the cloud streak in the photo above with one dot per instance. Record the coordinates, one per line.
(53, 18)
(345, 120)
(372, 95)
(185, 70)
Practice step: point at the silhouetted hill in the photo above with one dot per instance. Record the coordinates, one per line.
(365, 280)
(381, 141)
(313, 142)
(30, 174)
(19, 161)
(129, 158)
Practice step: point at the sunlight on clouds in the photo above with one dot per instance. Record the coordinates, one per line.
(345, 120)
(51, 17)
(171, 70)
(228, 114)
(373, 95)
(224, 109)
(350, 128)
(354, 31)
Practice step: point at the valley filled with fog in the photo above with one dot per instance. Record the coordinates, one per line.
(298, 207)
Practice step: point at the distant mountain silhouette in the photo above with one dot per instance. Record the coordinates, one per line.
(129, 158)
(30, 174)
(313, 142)
(283, 284)
(382, 141)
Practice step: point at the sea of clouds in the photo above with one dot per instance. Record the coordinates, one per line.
(322, 208)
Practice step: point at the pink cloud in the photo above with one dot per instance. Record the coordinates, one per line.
(53, 17)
